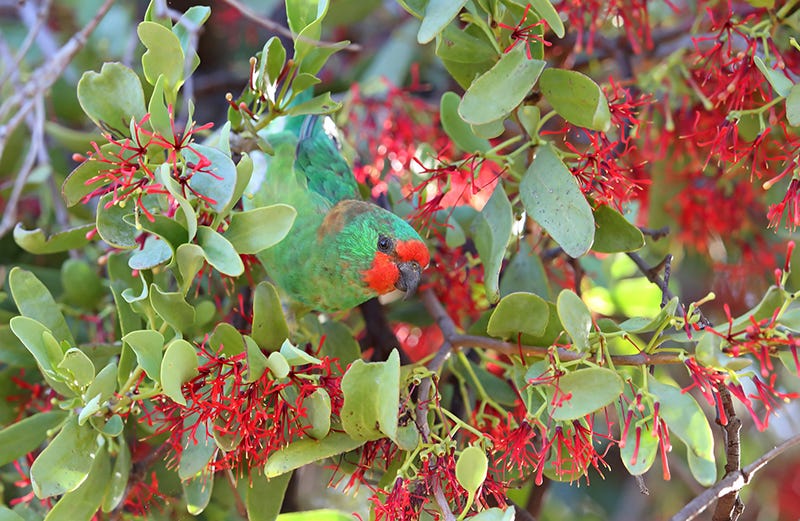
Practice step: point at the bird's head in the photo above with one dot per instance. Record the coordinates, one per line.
(383, 250)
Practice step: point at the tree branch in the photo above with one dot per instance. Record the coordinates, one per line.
(732, 482)
(281, 30)
(729, 506)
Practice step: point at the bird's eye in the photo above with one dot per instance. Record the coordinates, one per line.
(384, 244)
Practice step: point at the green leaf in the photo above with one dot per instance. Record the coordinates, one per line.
(703, 469)
(793, 106)
(438, 15)
(339, 343)
(256, 230)
(82, 503)
(112, 97)
(308, 450)
(471, 469)
(82, 285)
(77, 367)
(551, 196)
(164, 57)
(322, 104)
(31, 334)
(576, 98)
(278, 365)
(591, 389)
(7, 514)
(227, 340)
(26, 435)
(459, 130)
(264, 496)
(491, 231)
(646, 449)
(178, 367)
(79, 183)
(154, 252)
(256, 361)
(65, 463)
(103, 385)
(371, 398)
(614, 233)
(35, 301)
(777, 79)
(190, 259)
(318, 412)
(219, 252)
(518, 313)
(117, 487)
(295, 356)
(494, 514)
(464, 46)
(111, 225)
(489, 130)
(269, 328)
(273, 56)
(501, 89)
(197, 493)
(160, 120)
(685, 419)
(545, 9)
(172, 307)
(575, 317)
(526, 273)
(35, 241)
(216, 181)
(148, 346)
(198, 447)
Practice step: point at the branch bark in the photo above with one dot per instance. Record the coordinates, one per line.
(730, 506)
(732, 482)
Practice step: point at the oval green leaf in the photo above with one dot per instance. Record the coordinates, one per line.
(35, 241)
(614, 233)
(591, 389)
(438, 15)
(471, 468)
(371, 398)
(552, 197)
(148, 346)
(34, 300)
(258, 229)
(459, 130)
(576, 98)
(501, 89)
(518, 313)
(308, 450)
(575, 317)
(178, 367)
(112, 97)
(64, 464)
(491, 231)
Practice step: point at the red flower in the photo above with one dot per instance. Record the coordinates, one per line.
(525, 33)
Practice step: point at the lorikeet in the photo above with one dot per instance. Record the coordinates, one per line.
(341, 250)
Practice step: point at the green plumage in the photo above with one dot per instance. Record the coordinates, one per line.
(334, 239)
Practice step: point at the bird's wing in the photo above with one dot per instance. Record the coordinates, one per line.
(319, 159)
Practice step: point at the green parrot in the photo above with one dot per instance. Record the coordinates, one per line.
(341, 250)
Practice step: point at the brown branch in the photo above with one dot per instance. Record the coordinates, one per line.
(281, 30)
(565, 355)
(732, 482)
(730, 506)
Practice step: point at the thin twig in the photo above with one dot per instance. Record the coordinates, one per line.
(732, 482)
(20, 103)
(284, 31)
(730, 506)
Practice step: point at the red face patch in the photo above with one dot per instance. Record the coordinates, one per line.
(382, 275)
(413, 250)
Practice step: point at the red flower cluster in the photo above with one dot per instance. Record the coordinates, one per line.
(254, 418)
(608, 165)
(130, 161)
